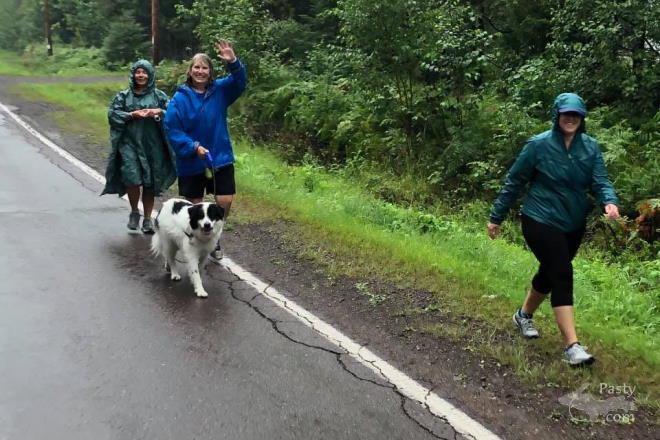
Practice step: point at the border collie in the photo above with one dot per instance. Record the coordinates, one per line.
(190, 229)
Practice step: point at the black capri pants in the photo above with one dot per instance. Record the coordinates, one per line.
(194, 187)
(554, 249)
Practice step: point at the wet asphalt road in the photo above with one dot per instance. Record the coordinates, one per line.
(97, 343)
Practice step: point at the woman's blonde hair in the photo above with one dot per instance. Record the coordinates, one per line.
(200, 57)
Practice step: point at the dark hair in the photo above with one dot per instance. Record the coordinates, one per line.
(193, 60)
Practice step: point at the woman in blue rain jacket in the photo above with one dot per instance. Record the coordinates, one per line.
(196, 123)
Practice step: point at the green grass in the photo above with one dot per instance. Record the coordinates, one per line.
(608, 307)
(10, 65)
(66, 62)
(84, 107)
(476, 276)
(349, 232)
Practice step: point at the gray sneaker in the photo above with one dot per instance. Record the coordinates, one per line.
(526, 326)
(148, 226)
(576, 355)
(217, 254)
(133, 221)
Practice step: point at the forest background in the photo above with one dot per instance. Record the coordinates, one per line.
(422, 103)
(427, 102)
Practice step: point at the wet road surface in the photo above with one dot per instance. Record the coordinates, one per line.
(96, 342)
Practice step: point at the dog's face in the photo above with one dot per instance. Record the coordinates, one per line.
(206, 220)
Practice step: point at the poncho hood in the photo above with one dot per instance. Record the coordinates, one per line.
(146, 65)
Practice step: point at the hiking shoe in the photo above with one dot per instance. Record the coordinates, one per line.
(148, 226)
(217, 254)
(133, 221)
(526, 326)
(576, 355)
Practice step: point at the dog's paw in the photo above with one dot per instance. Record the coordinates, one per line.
(202, 294)
(175, 277)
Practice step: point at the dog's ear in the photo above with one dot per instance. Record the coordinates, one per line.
(195, 214)
(216, 212)
(179, 205)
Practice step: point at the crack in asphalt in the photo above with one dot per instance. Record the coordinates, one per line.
(338, 354)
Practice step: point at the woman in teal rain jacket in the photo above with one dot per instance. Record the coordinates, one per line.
(560, 166)
(141, 157)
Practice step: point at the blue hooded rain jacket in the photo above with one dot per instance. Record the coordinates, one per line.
(201, 119)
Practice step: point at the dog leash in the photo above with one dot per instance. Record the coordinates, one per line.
(211, 171)
(210, 174)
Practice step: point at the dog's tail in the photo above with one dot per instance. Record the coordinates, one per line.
(156, 248)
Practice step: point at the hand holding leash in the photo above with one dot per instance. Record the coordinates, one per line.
(201, 152)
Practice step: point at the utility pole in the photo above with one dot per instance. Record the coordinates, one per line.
(155, 12)
(49, 40)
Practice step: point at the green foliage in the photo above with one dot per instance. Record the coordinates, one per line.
(127, 41)
(243, 22)
(87, 23)
(82, 22)
(423, 101)
(294, 40)
(632, 156)
(414, 60)
(481, 151)
(170, 74)
(522, 27)
(617, 39)
(21, 23)
(67, 61)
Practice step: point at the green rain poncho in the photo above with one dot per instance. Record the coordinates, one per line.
(141, 154)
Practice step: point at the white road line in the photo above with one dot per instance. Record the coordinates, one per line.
(460, 421)
(65, 154)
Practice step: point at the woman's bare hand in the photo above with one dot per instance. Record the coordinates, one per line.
(612, 211)
(493, 230)
(201, 152)
(225, 51)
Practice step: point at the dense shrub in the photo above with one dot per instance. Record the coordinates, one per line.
(66, 59)
(127, 41)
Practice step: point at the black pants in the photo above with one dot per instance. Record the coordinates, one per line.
(555, 250)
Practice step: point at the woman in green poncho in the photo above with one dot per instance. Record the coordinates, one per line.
(141, 160)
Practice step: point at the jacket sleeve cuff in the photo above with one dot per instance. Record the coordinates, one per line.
(236, 65)
(496, 220)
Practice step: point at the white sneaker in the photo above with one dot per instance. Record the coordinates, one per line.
(576, 355)
(526, 326)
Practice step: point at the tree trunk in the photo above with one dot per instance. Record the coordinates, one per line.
(49, 39)
(155, 12)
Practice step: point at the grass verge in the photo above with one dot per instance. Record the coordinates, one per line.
(469, 273)
(67, 62)
(84, 107)
(349, 232)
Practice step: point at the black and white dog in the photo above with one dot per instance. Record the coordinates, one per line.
(191, 229)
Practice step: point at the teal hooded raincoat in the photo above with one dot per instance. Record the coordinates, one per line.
(141, 154)
(558, 177)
